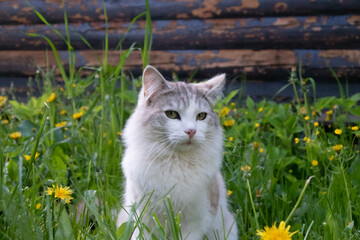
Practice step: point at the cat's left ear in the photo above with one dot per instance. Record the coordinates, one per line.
(213, 88)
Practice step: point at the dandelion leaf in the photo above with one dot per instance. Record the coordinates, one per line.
(64, 230)
(57, 165)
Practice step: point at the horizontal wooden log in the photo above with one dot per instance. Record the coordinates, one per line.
(269, 65)
(257, 89)
(15, 11)
(323, 32)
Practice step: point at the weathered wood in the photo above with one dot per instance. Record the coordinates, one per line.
(322, 32)
(256, 64)
(15, 11)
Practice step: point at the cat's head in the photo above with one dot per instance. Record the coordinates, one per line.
(180, 114)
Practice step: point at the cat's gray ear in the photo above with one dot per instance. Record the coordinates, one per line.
(153, 81)
(213, 88)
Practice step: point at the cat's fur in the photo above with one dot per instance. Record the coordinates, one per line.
(180, 157)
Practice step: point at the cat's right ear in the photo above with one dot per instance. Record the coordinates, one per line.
(153, 82)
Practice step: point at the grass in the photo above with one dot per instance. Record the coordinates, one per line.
(271, 151)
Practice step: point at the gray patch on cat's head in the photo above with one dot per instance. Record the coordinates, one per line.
(154, 84)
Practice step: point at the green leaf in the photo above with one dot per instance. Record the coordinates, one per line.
(64, 230)
(356, 111)
(25, 127)
(355, 97)
(13, 170)
(57, 165)
(250, 104)
(230, 96)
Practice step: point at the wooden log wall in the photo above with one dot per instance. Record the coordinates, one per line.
(259, 38)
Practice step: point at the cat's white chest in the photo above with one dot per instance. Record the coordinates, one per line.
(179, 175)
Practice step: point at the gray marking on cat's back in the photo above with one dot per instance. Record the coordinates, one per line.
(214, 195)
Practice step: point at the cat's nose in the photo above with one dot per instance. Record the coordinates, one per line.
(191, 132)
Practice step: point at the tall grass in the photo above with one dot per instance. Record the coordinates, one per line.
(271, 151)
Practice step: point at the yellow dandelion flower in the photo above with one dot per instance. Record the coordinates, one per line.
(63, 112)
(15, 135)
(50, 190)
(274, 233)
(297, 140)
(330, 112)
(261, 109)
(314, 163)
(257, 125)
(307, 118)
(232, 104)
(65, 136)
(224, 111)
(338, 147)
(329, 126)
(338, 131)
(229, 192)
(308, 140)
(27, 157)
(316, 124)
(229, 123)
(355, 128)
(51, 98)
(78, 115)
(62, 193)
(61, 89)
(119, 133)
(104, 135)
(74, 85)
(261, 150)
(317, 133)
(231, 139)
(256, 145)
(3, 99)
(38, 205)
(323, 193)
(245, 168)
(303, 110)
(4, 122)
(60, 124)
(332, 157)
(84, 109)
(305, 139)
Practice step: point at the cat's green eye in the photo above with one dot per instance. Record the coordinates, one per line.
(172, 114)
(201, 116)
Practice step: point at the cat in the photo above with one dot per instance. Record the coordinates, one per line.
(174, 146)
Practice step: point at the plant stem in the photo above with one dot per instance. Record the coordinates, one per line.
(347, 192)
(299, 200)
(252, 204)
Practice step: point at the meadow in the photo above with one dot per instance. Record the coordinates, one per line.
(296, 162)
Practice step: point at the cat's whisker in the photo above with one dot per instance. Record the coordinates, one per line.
(155, 158)
(157, 145)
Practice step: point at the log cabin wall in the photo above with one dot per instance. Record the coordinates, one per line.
(259, 39)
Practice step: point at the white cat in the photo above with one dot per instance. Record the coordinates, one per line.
(174, 146)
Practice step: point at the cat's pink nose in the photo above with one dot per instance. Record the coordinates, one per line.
(191, 132)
